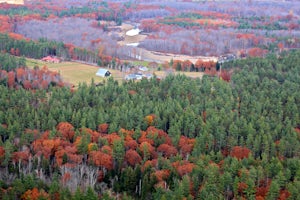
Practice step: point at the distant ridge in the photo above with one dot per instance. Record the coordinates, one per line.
(12, 1)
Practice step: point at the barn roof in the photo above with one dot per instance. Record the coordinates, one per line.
(102, 72)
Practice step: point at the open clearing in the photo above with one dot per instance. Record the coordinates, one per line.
(75, 73)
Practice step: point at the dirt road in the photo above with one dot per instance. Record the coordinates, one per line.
(153, 55)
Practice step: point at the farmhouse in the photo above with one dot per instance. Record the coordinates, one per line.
(103, 72)
(50, 59)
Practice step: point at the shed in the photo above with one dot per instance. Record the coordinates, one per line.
(103, 72)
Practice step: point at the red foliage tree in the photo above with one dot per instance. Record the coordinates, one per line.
(256, 52)
(242, 187)
(35, 194)
(183, 168)
(167, 150)
(152, 132)
(66, 129)
(280, 46)
(5, 23)
(101, 159)
(12, 51)
(186, 65)
(2, 153)
(263, 189)
(132, 157)
(103, 128)
(94, 134)
(149, 163)
(112, 137)
(147, 150)
(131, 144)
(106, 149)
(186, 145)
(20, 74)
(225, 75)
(240, 152)
(11, 79)
(145, 138)
(71, 152)
(46, 147)
(284, 194)
(27, 85)
(149, 25)
(162, 175)
(22, 156)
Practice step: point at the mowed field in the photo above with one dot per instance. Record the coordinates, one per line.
(75, 73)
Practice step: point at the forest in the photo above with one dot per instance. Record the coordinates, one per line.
(177, 138)
(232, 134)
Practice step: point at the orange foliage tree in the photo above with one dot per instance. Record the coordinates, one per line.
(66, 129)
(132, 157)
(103, 128)
(131, 144)
(11, 79)
(186, 145)
(162, 174)
(147, 150)
(35, 194)
(101, 159)
(167, 150)
(240, 152)
(149, 119)
(2, 153)
(225, 75)
(183, 167)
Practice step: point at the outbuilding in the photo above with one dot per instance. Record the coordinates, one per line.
(103, 72)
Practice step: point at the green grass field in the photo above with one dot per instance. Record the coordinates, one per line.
(75, 73)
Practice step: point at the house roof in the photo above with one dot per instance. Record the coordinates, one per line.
(49, 58)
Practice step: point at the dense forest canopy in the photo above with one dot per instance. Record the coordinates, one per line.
(200, 138)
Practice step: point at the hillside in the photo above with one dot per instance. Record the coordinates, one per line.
(192, 138)
(203, 100)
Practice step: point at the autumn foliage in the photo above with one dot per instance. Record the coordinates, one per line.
(66, 129)
(35, 194)
(132, 157)
(101, 159)
(31, 78)
(167, 150)
(240, 152)
(2, 153)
